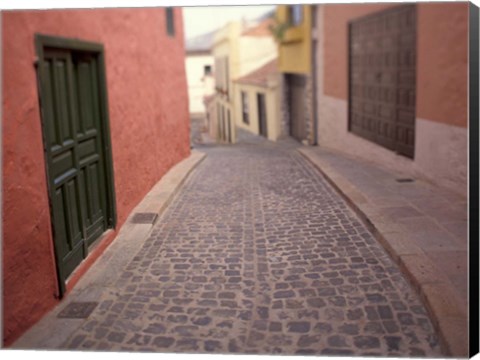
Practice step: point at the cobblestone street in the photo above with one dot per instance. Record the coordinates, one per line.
(258, 254)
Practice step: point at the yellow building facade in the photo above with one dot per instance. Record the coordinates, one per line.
(293, 29)
(294, 44)
(258, 96)
(238, 49)
(225, 53)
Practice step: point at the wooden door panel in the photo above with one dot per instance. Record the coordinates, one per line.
(75, 148)
(382, 78)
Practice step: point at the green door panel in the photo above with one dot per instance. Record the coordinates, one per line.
(75, 128)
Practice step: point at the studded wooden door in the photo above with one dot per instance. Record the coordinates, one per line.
(382, 65)
(76, 141)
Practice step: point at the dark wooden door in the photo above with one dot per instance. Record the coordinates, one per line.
(224, 125)
(229, 127)
(76, 152)
(296, 88)
(262, 115)
(382, 78)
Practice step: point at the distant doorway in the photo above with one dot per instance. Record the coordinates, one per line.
(296, 101)
(262, 115)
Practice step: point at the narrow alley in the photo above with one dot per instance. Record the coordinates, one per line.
(290, 179)
(258, 254)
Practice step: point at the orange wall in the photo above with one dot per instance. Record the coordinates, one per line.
(336, 18)
(148, 106)
(442, 63)
(442, 34)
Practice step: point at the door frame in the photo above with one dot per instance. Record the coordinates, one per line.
(41, 42)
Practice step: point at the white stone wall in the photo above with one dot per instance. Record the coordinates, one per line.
(198, 84)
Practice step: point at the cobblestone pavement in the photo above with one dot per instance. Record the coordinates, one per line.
(258, 254)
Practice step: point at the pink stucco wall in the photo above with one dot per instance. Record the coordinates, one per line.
(441, 135)
(442, 63)
(442, 53)
(335, 35)
(149, 124)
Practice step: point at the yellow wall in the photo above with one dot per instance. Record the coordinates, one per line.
(226, 44)
(245, 54)
(272, 107)
(294, 49)
(254, 52)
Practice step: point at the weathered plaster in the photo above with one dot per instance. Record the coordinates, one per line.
(199, 85)
(442, 62)
(271, 93)
(149, 131)
(442, 52)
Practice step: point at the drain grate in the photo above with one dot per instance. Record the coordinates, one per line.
(144, 218)
(77, 310)
(406, 180)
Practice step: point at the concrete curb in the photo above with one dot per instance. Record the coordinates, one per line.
(446, 311)
(51, 332)
(162, 194)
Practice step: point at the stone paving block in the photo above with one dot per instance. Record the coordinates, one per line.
(459, 229)
(421, 270)
(258, 254)
(400, 212)
(443, 300)
(455, 335)
(421, 220)
(400, 244)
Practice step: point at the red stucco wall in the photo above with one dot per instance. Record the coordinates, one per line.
(336, 18)
(442, 37)
(149, 124)
(442, 63)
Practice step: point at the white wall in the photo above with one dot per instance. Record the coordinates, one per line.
(198, 84)
(254, 52)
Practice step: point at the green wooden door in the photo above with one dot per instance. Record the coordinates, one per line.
(76, 147)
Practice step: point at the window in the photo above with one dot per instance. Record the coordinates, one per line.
(207, 70)
(295, 13)
(170, 21)
(245, 118)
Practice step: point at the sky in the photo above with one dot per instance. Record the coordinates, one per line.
(202, 19)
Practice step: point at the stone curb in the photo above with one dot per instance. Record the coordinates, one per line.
(163, 192)
(50, 332)
(448, 314)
